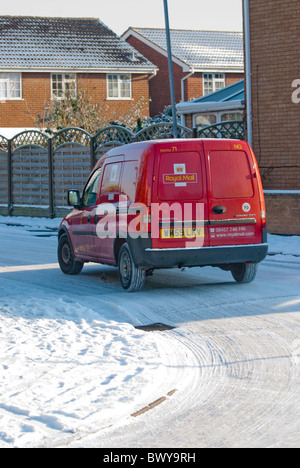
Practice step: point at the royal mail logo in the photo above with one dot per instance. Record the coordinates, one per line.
(180, 178)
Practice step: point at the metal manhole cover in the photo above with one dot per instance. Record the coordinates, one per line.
(154, 327)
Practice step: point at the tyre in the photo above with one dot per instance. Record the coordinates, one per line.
(66, 259)
(131, 278)
(244, 272)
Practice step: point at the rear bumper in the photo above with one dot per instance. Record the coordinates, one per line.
(147, 258)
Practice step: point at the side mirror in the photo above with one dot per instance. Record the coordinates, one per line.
(74, 198)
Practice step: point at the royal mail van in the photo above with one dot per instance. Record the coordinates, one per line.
(168, 204)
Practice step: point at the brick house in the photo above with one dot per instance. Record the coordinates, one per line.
(41, 58)
(203, 61)
(272, 36)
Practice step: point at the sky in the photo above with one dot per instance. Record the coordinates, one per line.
(118, 15)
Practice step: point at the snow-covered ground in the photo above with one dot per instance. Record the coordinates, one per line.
(72, 363)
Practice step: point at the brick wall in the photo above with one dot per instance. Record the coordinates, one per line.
(275, 45)
(23, 113)
(36, 91)
(283, 213)
(96, 87)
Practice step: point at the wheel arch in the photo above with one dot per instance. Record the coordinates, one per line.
(118, 242)
(64, 231)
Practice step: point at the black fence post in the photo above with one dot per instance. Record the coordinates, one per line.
(10, 182)
(50, 168)
(194, 132)
(92, 152)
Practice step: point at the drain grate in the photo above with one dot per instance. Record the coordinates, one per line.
(154, 327)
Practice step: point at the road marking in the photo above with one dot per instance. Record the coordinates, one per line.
(11, 269)
(153, 404)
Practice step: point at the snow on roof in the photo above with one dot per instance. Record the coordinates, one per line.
(64, 43)
(199, 49)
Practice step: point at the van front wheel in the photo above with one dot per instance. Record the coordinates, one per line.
(66, 259)
(244, 272)
(131, 277)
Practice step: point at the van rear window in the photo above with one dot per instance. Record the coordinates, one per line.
(180, 176)
(230, 174)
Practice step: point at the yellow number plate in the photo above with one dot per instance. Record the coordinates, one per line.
(181, 233)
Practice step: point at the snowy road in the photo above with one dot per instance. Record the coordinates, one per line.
(74, 369)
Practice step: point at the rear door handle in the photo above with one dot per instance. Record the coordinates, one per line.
(219, 209)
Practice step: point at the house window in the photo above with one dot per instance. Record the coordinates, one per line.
(119, 86)
(63, 84)
(202, 121)
(232, 116)
(212, 82)
(10, 86)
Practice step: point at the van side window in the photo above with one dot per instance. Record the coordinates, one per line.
(230, 174)
(90, 192)
(111, 182)
(129, 178)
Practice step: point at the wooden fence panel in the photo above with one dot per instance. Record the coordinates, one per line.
(3, 182)
(71, 168)
(30, 176)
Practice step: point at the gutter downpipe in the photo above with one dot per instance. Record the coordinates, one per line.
(248, 71)
(182, 92)
(171, 77)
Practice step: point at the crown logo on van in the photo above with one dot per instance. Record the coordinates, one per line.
(179, 177)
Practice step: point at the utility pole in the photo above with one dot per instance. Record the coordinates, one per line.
(171, 76)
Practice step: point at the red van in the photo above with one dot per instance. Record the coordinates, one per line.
(165, 204)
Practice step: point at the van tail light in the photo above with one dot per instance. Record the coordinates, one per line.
(261, 193)
(263, 218)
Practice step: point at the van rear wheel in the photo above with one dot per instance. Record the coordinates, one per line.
(131, 277)
(244, 272)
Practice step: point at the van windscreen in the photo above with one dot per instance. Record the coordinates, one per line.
(230, 174)
(180, 176)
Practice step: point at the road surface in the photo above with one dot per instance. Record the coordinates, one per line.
(229, 375)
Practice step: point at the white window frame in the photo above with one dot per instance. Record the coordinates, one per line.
(218, 115)
(231, 112)
(119, 80)
(7, 81)
(211, 114)
(64, 81)
(216, 78)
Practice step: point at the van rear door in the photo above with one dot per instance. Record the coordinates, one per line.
(233, 195)
(179, 184)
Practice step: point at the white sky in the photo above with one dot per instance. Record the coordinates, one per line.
(118, 15)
